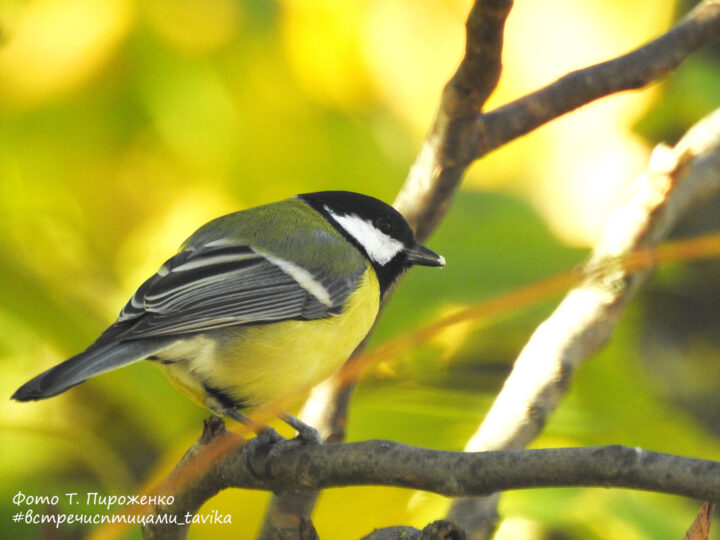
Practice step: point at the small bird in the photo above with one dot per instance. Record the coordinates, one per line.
(257, 304)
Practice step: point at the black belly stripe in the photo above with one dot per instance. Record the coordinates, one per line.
(225, 399)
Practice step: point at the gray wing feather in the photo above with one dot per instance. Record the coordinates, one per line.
(226, 285)
(98, 358)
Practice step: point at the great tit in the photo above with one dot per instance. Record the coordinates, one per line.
(257, 304)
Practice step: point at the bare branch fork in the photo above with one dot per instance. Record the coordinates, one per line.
(460, 134)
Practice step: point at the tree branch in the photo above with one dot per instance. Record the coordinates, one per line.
(453, 474)
(451, 143)
(634, 70)
(437, 530)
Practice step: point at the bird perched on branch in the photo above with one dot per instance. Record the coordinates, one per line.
(257, 304)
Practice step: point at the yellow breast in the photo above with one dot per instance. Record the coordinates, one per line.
(261, 363)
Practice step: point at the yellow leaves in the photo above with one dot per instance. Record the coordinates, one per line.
(411, 50)
(54, 46)
(519, 527)
(195, 114)
(323, 43)
(195, 26)
(576, 168)
(352, 54)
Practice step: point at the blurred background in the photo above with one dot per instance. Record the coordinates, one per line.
(126, 124)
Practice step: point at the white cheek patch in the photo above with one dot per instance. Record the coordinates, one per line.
(380, 247)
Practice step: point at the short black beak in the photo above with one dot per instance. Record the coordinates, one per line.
(420, 255)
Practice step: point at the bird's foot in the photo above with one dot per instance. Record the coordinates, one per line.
(305, 433)
(260, 451)
(269, 445)
(306, 436)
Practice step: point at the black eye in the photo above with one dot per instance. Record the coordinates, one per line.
(384, 224)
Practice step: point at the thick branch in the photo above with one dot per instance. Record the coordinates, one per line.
(453, 142)
(311, 467)
(456, 474)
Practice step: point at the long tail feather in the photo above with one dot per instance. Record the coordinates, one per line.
(97, 359)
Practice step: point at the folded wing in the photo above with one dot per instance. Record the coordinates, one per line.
(223, 285)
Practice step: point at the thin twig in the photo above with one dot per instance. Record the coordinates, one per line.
(631, 71)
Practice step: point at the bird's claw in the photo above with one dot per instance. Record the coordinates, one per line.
(259, 450)
(305, 432)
